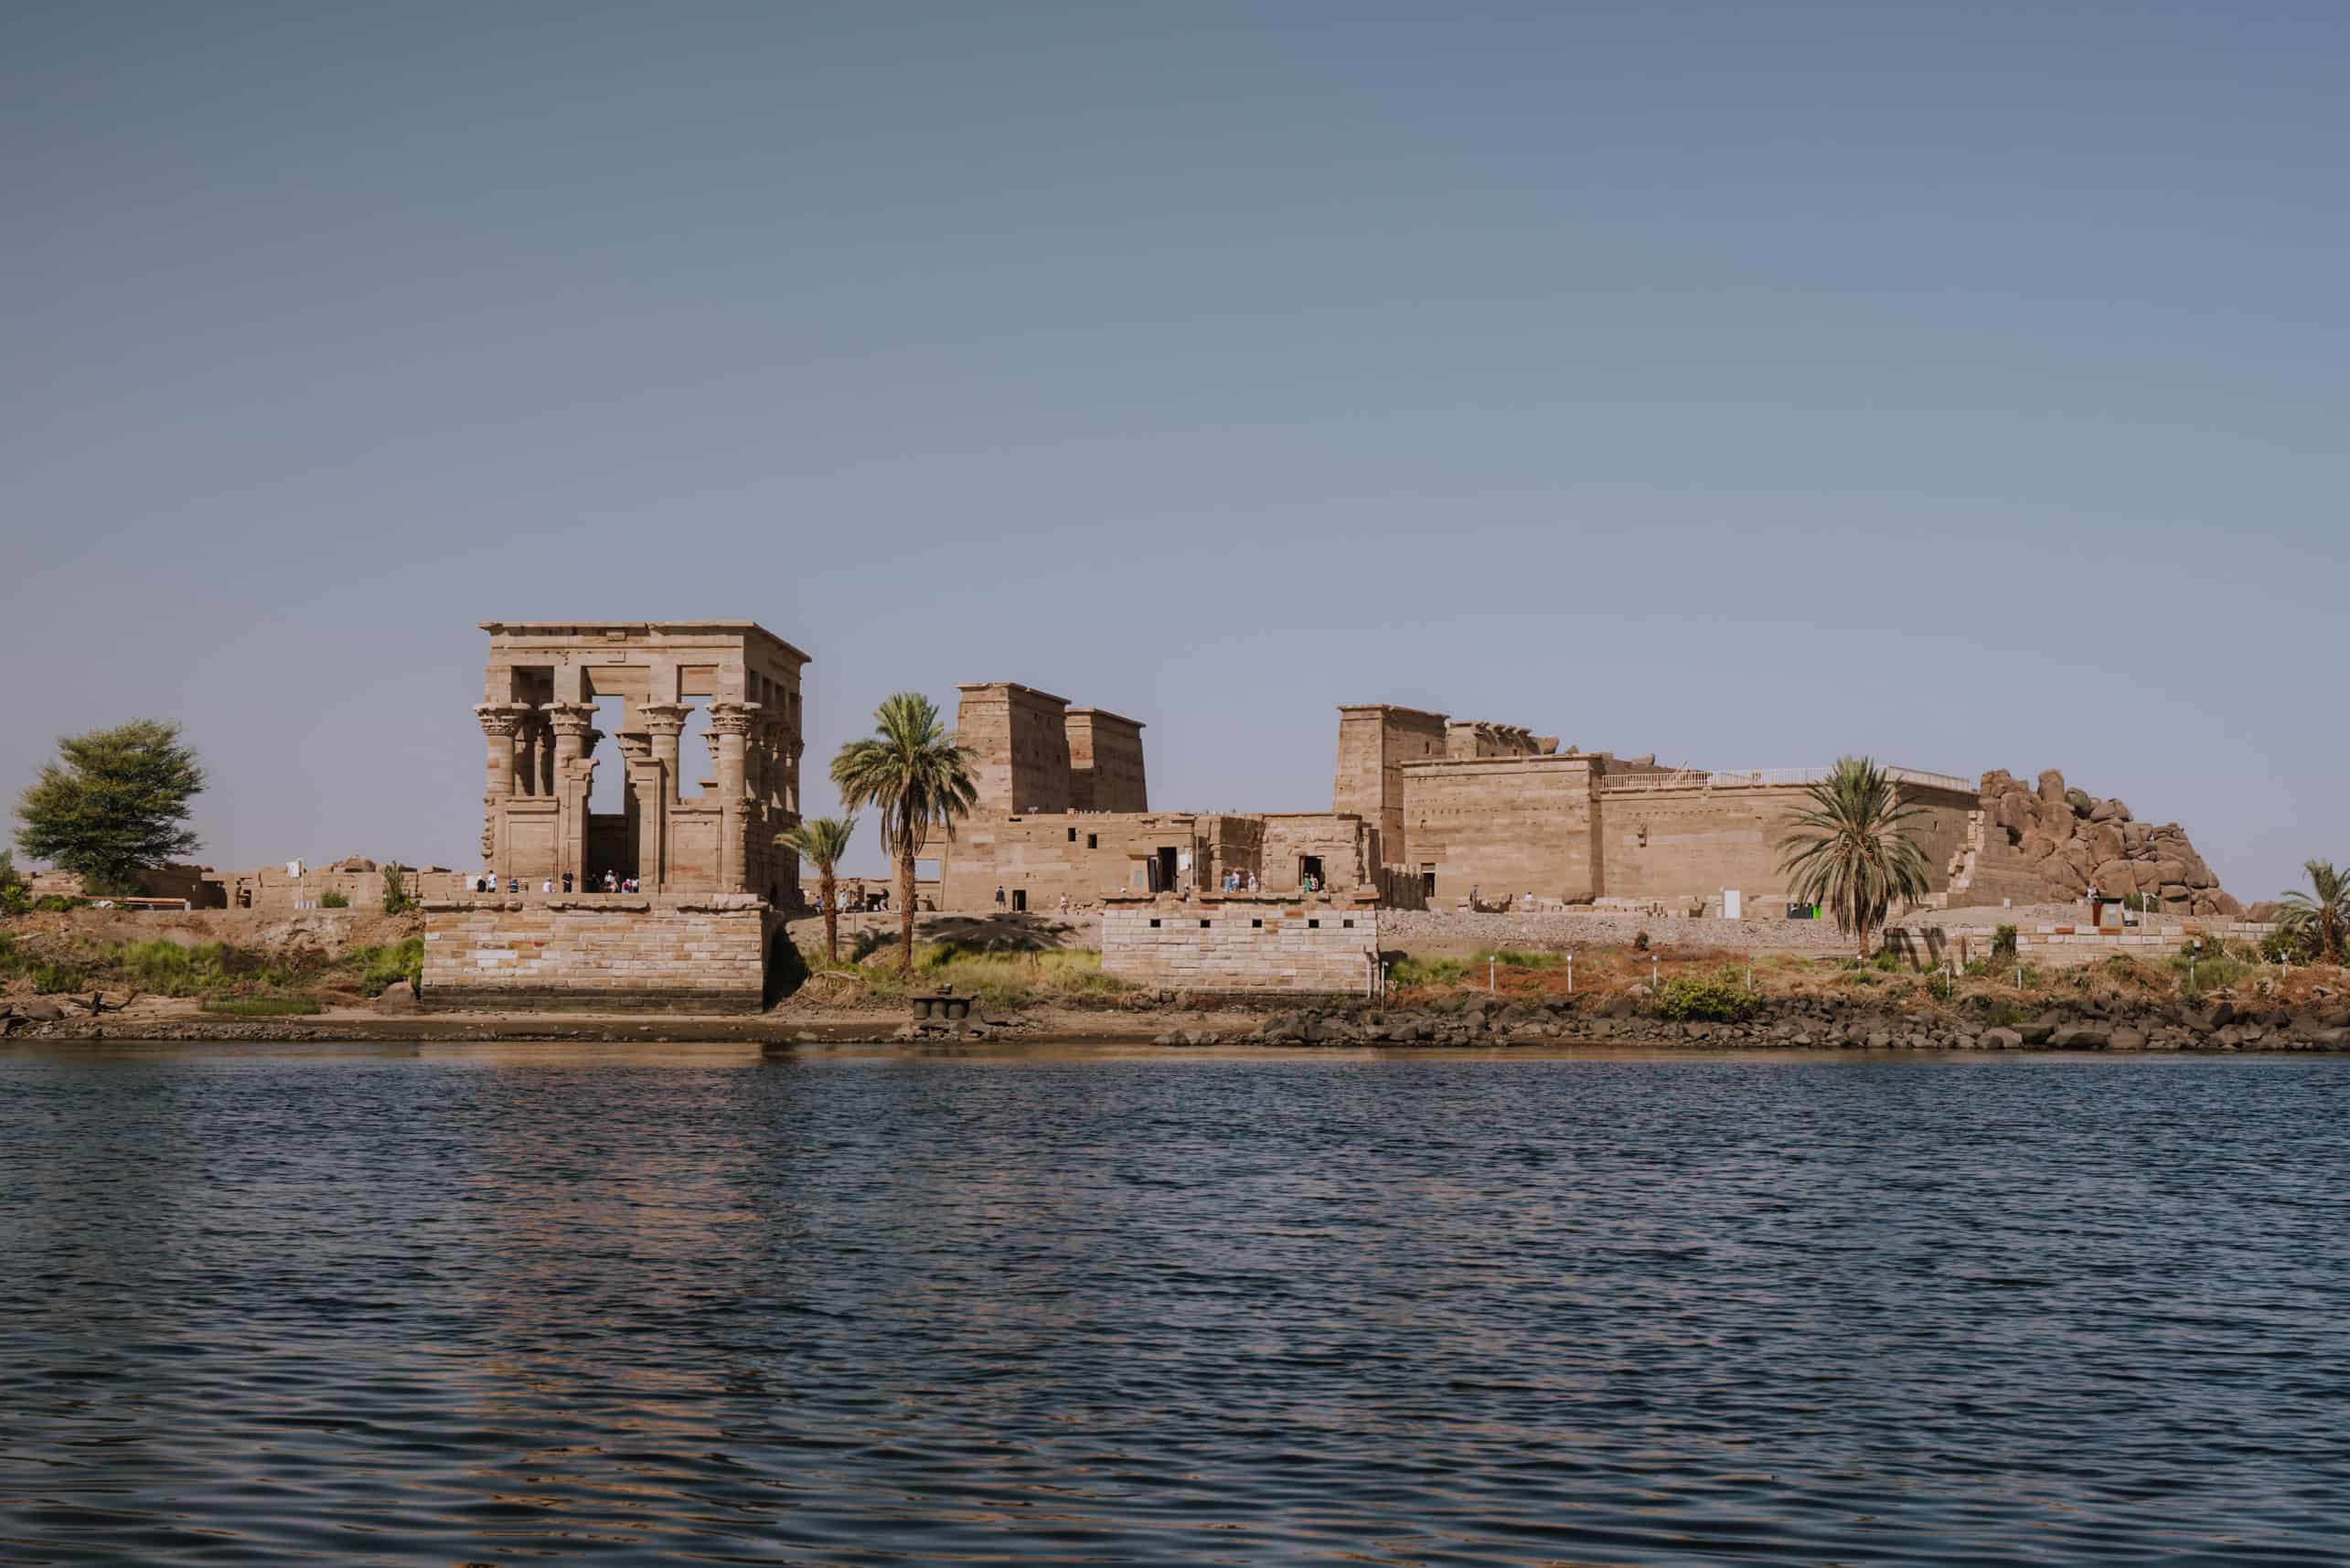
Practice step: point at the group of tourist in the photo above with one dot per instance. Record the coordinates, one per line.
(1233, 882)
(613, 883)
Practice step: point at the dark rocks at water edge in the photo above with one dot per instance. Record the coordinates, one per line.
(1829, 1023)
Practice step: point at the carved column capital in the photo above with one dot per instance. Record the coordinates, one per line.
(636, 746)
(571, 719)
(502, 720)
(733, 717)
(663, 718)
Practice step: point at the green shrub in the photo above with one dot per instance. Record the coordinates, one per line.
(56, 903)
(395, 893)
(57, 979)
(1409, 972)
(331, 900)
(1888, 962)
(380, 966)
(2291, 947)
(2004, 942)
(1707, 999)
(260, 1006)
(1519, 958)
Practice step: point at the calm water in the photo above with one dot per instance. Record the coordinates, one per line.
(524, 1305)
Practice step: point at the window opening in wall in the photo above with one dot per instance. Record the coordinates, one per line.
(1166, 867)
(1348, 924)
(1203, 925)
(1093, 840)
(1427, 880)
(1313, 925)
(1020, 900)
(1073, 837)
(1154, 926)
(1256, 925)
(1309, 872)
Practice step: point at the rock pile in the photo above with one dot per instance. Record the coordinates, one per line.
(2071, 840)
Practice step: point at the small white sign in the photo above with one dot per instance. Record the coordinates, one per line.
(1731, 902)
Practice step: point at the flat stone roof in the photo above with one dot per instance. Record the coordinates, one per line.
(749, 631)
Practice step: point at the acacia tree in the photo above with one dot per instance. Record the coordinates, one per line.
(114, 803)
(824, 842)
(1851, 848)
(2321, 915)
(918, 778)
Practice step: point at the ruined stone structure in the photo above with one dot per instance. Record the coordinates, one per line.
(544, 683)
(1063, 813)
(1500, 811)
(1241, 943)
(703, 929)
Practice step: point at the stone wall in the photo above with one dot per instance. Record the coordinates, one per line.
(2045, 945)
(1690, 841)
(599, 953)
(1242, 944)
(1505, 826)
(1458, 932)
(1086, 856)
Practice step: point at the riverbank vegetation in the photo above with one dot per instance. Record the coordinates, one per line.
(1053, 976)
(69, 964)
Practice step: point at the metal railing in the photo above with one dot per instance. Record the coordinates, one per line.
(1764, 778)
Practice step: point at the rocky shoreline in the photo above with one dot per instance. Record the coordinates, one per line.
(1460, 1021)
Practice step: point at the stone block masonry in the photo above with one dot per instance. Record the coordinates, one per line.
(597, 952)
(1241, 943)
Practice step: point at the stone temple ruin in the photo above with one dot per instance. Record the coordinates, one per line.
(1425, 811)
(703, 918)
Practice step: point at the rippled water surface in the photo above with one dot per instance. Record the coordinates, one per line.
(526, 1305)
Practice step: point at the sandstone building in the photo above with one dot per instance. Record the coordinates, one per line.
(702, 929)
(542, 687)
(1427, 808)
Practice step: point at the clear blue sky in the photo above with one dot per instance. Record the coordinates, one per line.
(1963, 385)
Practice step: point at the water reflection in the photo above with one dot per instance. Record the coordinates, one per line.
(440, 1305)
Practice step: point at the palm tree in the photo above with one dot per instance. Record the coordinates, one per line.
(919, 778)
(822, 840)
(2323, 918)
(1851, 850)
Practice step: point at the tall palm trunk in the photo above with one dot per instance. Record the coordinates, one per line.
(829, 891)
(905, 909)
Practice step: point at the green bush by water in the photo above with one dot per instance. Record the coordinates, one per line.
(1720, 997)
(260, 1006)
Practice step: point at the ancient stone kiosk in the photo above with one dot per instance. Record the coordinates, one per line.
(700, 927)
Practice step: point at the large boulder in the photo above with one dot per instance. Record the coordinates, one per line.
(2227, 903)
(2065, 872)
(2115, 879)
(2081, 801)
(399, 997)
(2104, 841)
(2052, 786)
(2110, 811)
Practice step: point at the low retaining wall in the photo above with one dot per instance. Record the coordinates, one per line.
(1238, 943)
(2066, 946)
(1427, 931)
(599, 953)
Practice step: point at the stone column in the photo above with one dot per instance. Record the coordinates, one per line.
(664, 721)
(547, 756)
(646, 818)
(572, 771)
(500, 720)
(729, 731)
